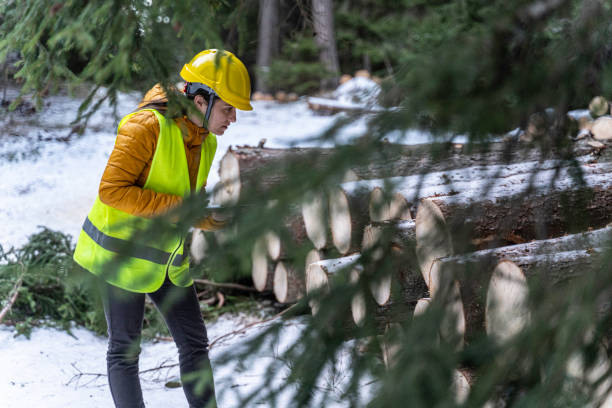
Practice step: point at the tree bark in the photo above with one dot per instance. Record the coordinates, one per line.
(268, 42)
(323, 24)
(506, 211)
(261, 169)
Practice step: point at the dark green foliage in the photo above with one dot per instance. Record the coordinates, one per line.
(475, 68)
(54, 291)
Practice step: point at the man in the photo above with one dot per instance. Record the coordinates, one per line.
(157, 162)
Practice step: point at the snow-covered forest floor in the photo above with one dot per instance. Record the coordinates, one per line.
(51, 179)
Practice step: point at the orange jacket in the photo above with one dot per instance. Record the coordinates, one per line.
(129, 164)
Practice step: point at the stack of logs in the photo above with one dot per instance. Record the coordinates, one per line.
(469, 229)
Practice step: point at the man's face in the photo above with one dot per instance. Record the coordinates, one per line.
(222, 115)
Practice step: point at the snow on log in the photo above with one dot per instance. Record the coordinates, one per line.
(319, 273)
(549, 262)
(261, 168)
(262, 270)
(289, 284)
(314, 214)
(383, 208)
(348, 215)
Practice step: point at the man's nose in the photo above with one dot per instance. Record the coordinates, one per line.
(233, 115)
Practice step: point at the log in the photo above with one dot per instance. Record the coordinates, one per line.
(358, 303)
(348, 215)
(263, 168)
(439, 183)
(198, 246)
(383, 208)
(389, 248)
(262, 269)
(291, 235)
(549, 263)
(314, 214)
(505, 211)
(289, 283)
(318, 275)
(602, 128)
(433, 239)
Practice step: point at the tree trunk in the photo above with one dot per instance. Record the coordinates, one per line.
(260, 169)
(268, 42)
(323, 24)
(504, 212)
(496, 279)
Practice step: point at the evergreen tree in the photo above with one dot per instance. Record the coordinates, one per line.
(473, 68)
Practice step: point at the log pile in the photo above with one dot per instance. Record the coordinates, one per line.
(489, 223)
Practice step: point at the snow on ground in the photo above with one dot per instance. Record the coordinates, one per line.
(47, 181)
(45, 370)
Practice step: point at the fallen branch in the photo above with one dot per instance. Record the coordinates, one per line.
(12, 299)
(225, 285)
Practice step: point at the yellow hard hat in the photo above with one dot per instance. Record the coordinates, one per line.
(226, 76)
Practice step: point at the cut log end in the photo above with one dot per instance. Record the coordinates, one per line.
(288, 284)
(381, 209)
(358, 303)
(506, 310)
(433, 239)
(340, 220)
(199, 246)
(261, 271)
(273, 245)
(229, 179)
(316, 278)
(421, 306)
(314, 215)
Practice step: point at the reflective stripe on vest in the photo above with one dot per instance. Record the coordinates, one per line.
(135, 253)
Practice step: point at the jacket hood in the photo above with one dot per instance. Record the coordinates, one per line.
(156, 98)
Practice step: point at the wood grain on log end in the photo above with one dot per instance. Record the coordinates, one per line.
(314, 213)
(506, 310)
(273, 245)
(383, 209)
(289, 284)
(198, 246)
(229, 179)
(262, 272)
(433, 239)
(358, 303)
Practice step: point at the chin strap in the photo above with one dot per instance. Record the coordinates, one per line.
(209, 109)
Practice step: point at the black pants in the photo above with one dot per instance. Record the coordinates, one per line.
(181, 310)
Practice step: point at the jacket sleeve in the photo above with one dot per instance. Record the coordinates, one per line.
(210, 224)
(132, 154)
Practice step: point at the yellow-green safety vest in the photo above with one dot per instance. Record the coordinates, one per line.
(112, 244)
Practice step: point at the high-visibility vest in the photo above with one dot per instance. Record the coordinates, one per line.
(112, 243)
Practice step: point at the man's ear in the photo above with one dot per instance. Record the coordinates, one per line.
(200, 101)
